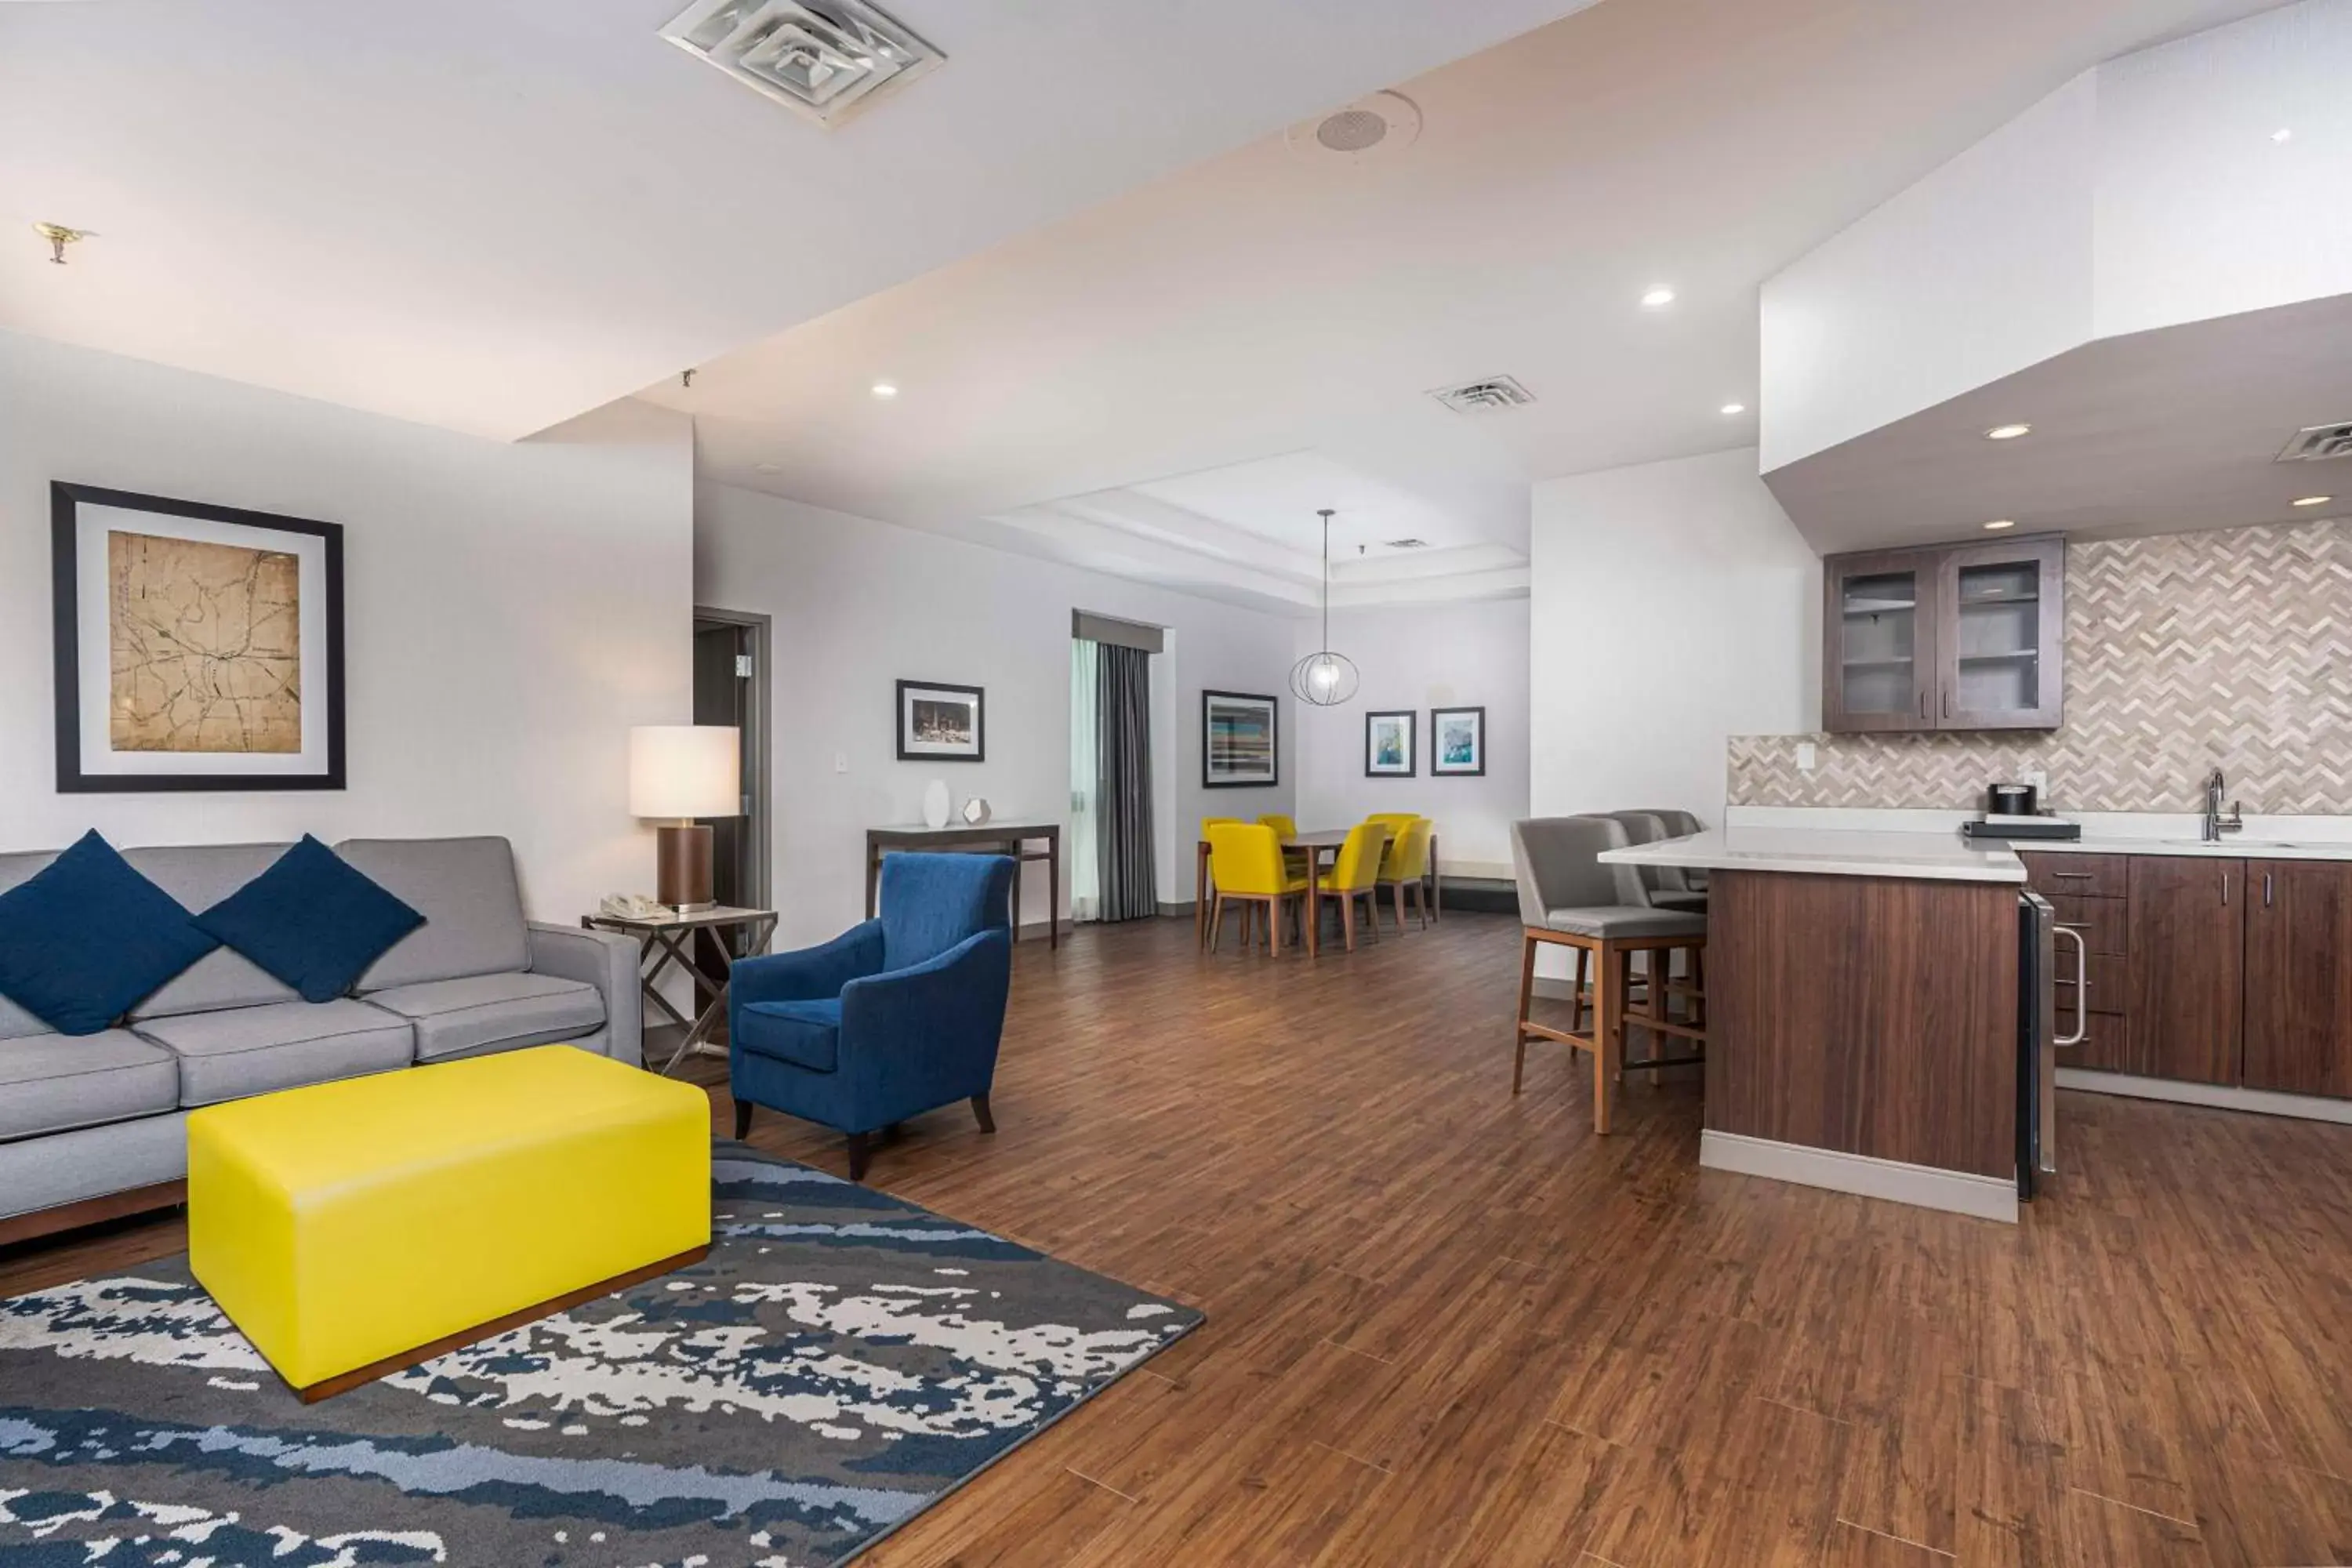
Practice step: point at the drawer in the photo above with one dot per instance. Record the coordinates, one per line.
(2098, 876)
(2099, 920)
(2107, 976)
(2103, 1048)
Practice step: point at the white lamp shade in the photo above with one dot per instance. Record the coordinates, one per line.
(680, 771)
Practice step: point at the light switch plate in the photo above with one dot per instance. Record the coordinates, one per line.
(1808, 756)
(841, 762)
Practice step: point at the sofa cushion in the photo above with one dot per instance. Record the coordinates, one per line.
(805, 1034)
(200, 876)
(254, 1051)
(87, 937)
(51, 1083)
(18, 867)
(485, 1013)
(313, 919)
(472, 905)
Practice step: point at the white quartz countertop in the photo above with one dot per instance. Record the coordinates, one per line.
(2235, 846)
(1926, 856)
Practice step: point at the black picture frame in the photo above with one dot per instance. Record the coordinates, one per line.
(1438, 767)
(66, 500)
(978, 695)
(1411, 751)
(1272, 779)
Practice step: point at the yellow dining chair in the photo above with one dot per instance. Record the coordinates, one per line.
(1356, 874)
(1300, 861)
(1398, 822)
(1245, 864)
(1201, 886)
(1406, 865)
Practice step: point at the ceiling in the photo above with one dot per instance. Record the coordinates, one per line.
(1223, 320)
(494, 215)
(2158, 432)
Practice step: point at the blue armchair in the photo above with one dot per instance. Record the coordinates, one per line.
(894, 1018)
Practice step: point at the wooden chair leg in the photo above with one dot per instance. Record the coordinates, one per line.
(1216, 919)
(1624, 995)
(1348, 919)
(1527, 999)
(1608, 1000)
(742, 1119)
(1273, 925)
(980, 1111)
(1583, 979)
(859, 1150)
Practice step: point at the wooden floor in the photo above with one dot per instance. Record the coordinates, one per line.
(1446, 1327)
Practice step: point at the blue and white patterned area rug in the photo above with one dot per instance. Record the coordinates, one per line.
(840, 1361)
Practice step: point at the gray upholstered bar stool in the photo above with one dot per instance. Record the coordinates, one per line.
(1669, 887)
(1568, 898)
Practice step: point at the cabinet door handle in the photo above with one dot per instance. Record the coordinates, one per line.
(2074, 876)
(2266, 890)
(1923, 707)
(2225, 889)
(1948, 704)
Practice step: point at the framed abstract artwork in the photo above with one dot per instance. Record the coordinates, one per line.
(1389, 745)
(942, 723)
(197, 647)
(1457, 741)
(1239, 740)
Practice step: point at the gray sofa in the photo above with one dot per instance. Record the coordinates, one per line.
(90, 1123)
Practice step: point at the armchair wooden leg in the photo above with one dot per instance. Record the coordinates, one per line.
(742, 1119)
(1526, 997)
(858, 1150)
(980, 1111)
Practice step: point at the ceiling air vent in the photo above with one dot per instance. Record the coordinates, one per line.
(1404, 544)
(2318, 444)
(1491, 395)
(820, 57)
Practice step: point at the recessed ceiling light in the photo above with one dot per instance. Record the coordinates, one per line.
(2002, 522)
(1735, 408)
(2314, 500)
(885, 390)
(1661, 295)
(2282, 135)
(2008, 432)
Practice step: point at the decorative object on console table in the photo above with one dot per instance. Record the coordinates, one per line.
(662, 939)
(678, 773)
(1389, 750)
(1457, 743)
(938, 723)
(1240, 742)
(197, 647)
(938, 804)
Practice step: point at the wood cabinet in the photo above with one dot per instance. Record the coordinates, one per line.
(2298, 1015)
(1955, 637)
(2184, 998)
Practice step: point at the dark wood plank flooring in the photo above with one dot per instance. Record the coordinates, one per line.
(1447, 1327)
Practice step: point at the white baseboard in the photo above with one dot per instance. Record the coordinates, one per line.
(1958, 1192)
(2219, 1096)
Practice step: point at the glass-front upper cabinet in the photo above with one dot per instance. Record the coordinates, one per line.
(1960, 637)
(1878, 644)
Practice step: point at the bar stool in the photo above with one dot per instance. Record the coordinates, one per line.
(1568, 898)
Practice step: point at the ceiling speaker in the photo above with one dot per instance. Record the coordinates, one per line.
(1369, 130)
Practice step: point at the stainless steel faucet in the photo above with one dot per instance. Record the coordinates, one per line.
(2216, 824)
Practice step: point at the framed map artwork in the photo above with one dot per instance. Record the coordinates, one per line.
(197, 647)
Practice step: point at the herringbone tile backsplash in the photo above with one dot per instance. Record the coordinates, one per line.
(2182, 652)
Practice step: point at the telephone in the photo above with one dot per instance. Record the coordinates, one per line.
(633, 907)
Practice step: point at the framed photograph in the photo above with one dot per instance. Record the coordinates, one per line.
(942, 723)
(1457, 741)
(197, 647)
(1389, 745)
(1240, 745)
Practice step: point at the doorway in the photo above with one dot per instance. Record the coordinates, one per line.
(731, 688)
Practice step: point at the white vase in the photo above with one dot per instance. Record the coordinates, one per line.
(936, 804)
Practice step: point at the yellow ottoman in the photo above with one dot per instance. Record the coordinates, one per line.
(354, 1229)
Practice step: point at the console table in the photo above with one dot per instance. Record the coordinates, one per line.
(1012, 839)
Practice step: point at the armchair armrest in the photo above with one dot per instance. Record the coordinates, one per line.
(606, 960)
(929, 1033)
(811, 975)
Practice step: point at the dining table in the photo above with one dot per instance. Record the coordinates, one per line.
(1320, 844)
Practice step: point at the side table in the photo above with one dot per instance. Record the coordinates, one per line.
(661, 942)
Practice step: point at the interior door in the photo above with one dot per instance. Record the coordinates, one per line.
(2001, 620)
(1878, 642)
(2299, 976)
(2186, 968)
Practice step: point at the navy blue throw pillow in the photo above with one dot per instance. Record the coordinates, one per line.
(88, 938)
(311, 921)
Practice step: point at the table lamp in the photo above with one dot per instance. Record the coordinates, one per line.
(678, 773)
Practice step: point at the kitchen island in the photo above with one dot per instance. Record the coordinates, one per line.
(1862, 1011)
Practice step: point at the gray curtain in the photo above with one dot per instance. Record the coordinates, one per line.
(1123, 820)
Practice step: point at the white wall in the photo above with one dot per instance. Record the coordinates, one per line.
(510, 609)
(1435, 656)
(1674, 606)
(859, 604)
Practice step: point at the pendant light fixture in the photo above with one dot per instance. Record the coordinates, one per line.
(1323, 677)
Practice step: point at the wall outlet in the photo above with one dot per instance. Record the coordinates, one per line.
(2035, 779)
(1809, 756)
(841, 762)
